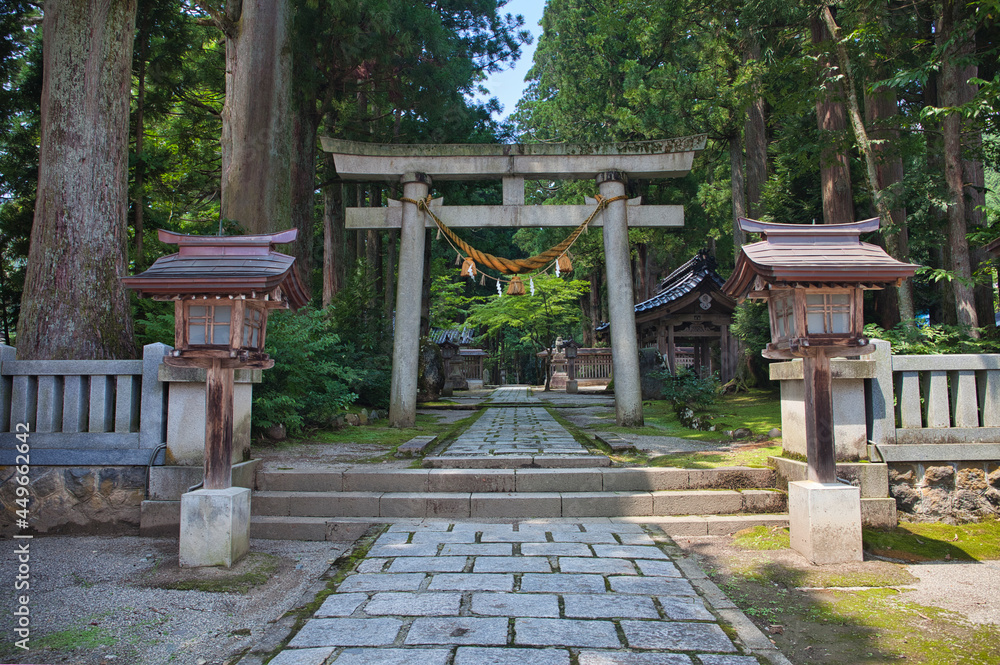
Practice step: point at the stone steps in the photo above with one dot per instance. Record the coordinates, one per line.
(347, 529)
(587, 479)
(518, 505)
(515, 461)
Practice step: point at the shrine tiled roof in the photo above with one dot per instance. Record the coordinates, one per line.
(683, 281)
(461, 336)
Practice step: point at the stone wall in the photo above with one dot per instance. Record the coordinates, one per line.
(947, 492)
(77, 498)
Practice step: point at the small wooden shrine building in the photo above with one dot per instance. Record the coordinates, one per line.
(690, 311)
(471, 358)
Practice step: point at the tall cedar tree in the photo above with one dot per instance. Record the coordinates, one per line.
(74, 305)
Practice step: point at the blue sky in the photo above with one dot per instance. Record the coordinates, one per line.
(508, 85)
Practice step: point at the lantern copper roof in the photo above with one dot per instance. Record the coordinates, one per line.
(223, 265)
(813, 255)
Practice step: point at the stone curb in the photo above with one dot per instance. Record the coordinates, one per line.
(281, 630)
(747, 632)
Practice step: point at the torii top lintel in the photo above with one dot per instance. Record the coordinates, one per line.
(669, 158)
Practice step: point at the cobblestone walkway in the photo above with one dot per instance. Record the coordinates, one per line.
(515, 431)
(535, 593)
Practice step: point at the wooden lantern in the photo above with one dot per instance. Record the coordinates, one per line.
(813, 279)
(223, 288)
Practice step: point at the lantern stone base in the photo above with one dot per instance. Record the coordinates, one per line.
(186, 414)
(572, 387)
(825, 521)
(215, 527)
(850, 427)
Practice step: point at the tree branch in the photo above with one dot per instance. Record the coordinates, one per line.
(217, 18)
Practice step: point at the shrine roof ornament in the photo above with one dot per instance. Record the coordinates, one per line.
(812, 255)
(226, 265)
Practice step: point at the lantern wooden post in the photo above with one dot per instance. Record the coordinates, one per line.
(821, 457)
(218, 426)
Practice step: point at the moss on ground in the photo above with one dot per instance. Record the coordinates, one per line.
(78, 637)
(757, 410)
(762, 538)
(912, 541)
(255, 570)
(753, 455)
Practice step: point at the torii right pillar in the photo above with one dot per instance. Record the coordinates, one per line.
(621, 309)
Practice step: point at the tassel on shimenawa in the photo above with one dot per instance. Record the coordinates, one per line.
(516, 287)
(468, 268)
(565, 264)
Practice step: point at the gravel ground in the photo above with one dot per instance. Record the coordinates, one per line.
(86, 590)
(967, 588)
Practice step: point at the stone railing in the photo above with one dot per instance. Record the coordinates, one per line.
(94, 426)
(935, 408)
(83, 412)
(903, 408)
(934, 420)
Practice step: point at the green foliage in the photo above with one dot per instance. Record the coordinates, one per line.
(534, 320)
(686, 389)
(449, 303)
(359, 319)
(312, 376)
(752, 326)
(923, 340)
(755, 409)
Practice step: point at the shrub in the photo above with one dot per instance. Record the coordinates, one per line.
(686, 388)
(311, 380)
(938, 338)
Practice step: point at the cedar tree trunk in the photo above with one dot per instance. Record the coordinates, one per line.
(881, 110)
(835, 174)
(755, 130)
(257, 118)
(974, 178)
(738, 189)
(952, 16)
(74, 305)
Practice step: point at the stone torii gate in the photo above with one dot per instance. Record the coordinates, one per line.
(417, 166)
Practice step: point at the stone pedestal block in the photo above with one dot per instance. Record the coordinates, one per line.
(825, 521)
(186, 414)
(215, 527)
(572, 387)
(850, 427)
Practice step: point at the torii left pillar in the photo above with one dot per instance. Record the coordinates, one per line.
(409, 293)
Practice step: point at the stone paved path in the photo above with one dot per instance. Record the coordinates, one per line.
(515, 431)
(534, 593)
(514, 394)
